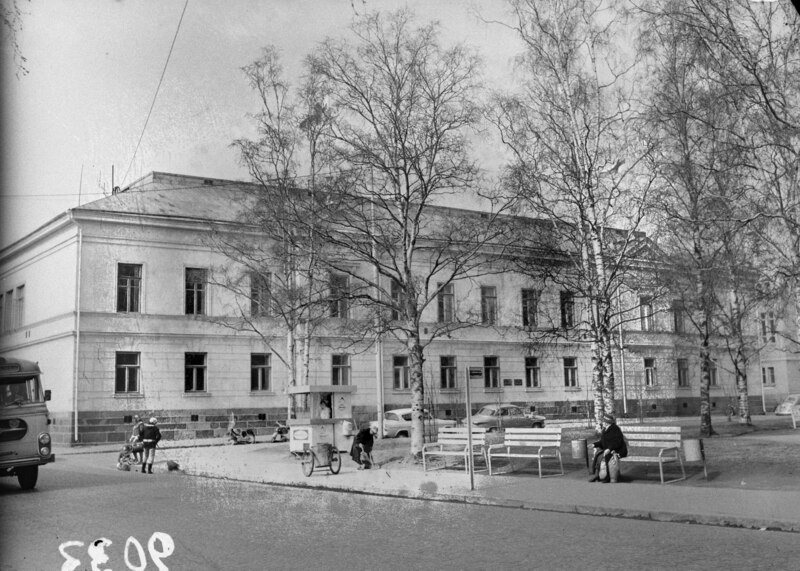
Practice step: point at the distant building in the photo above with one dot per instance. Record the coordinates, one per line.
(115, 301)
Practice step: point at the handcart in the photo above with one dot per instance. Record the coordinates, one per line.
(323, 427)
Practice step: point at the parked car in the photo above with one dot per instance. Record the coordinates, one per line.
(496, 416)
(791, 401)
(397, 422)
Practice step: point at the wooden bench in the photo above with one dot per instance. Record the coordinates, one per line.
(660, 444)
(454, 441)
(528, 443)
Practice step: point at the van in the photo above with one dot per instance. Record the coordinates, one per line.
(24, 432)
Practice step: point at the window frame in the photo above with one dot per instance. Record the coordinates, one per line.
(401, 378)
(567, 309)
(261, 373)
(530, 307)
(195, 291)
(682, 365)
(338, 296)
(488, 305)
(571, 373)
(197, 370)
(650, 373)
(764, 379)
(646, 315)
(129, 293)
(533, 379)
(125, 369)
(767, 327)
(260, 294)
(448, 372)
(491, 372)
(340, 372)
(446, 303)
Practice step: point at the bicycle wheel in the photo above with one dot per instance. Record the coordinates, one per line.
(307, 463)
(336, 461)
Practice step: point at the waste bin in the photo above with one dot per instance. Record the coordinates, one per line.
(693, 451)
(580, 451)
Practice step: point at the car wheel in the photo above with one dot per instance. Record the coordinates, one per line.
(27, 477)
(538, 425)
(402, 433)
(492, 429)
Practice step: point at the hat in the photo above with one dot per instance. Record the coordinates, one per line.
(608, 418)
(135, 417)
(153, 420)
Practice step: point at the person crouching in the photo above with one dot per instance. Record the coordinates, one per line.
(149, 435)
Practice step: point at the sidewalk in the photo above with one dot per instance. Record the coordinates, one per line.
(726, 498)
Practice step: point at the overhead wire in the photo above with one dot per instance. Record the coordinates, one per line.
(155, 95)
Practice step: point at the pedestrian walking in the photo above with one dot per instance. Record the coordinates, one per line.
(136, 445)
(149, 436)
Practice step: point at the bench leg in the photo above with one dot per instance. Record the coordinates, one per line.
(560, 463)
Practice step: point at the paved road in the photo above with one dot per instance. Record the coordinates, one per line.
(219, 524)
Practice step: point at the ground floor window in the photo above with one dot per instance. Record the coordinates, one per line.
(570, 372)
(195, 379)
(400, 373)
(127, 373)
(260, 372)
(683, 372)
(768, 376)
(447, 372)
(532, 373)
(649, 372)
(491, 372)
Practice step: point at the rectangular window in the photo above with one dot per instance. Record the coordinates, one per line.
(530, 307)
(195, 291)
(397, 300)
(532, 373)
(400, 373)
(8, 311)
(650, 372)
(260, 294)
(683, 372)
(491, 372)
(260, 372)
(340, 370)
(646, 313)
(19, 307)
(768, 376)
(567, 304)
(712, 372)
(678, 317)
(129, 287)
(570, 372)
(447, 372)
(488, 305)
(767, 327)
(195, 372)
(446, 302)
(338, 302)
(127, 373)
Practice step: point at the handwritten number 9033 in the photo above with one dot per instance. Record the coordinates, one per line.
(99, 557)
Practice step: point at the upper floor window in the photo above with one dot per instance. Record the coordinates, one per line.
(646, 313)
(397, 300)
(260, 372)
(447, 372)
(340, 370)
(567, 303)
(400, 372)
(650, 372)
(570, 372)
(488, 305)
(129, 287)
(446, 303)
(260, 294)
(530, 307)
(491, 372)
(126, 378)
(196, 291)
(678, 317)
(338, 300)
(195, 372)
(12, 309)
(768, 376)
(683, 372)
(532, 373)
(767, 327)
(19, 306)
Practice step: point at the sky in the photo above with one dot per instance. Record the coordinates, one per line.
(75, 119)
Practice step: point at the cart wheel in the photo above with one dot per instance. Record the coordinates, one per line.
(307, 462)
(336, 461)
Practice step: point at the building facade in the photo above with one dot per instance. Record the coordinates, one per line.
(117, 301)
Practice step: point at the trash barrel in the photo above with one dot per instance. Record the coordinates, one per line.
(580, 451)
(693, 450)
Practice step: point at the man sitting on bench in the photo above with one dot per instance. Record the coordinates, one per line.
(611, 441)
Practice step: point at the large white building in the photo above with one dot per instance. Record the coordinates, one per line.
(113, 299)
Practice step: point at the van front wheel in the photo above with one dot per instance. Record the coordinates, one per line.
(27, 477)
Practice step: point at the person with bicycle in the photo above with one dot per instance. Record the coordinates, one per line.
(149, 435)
